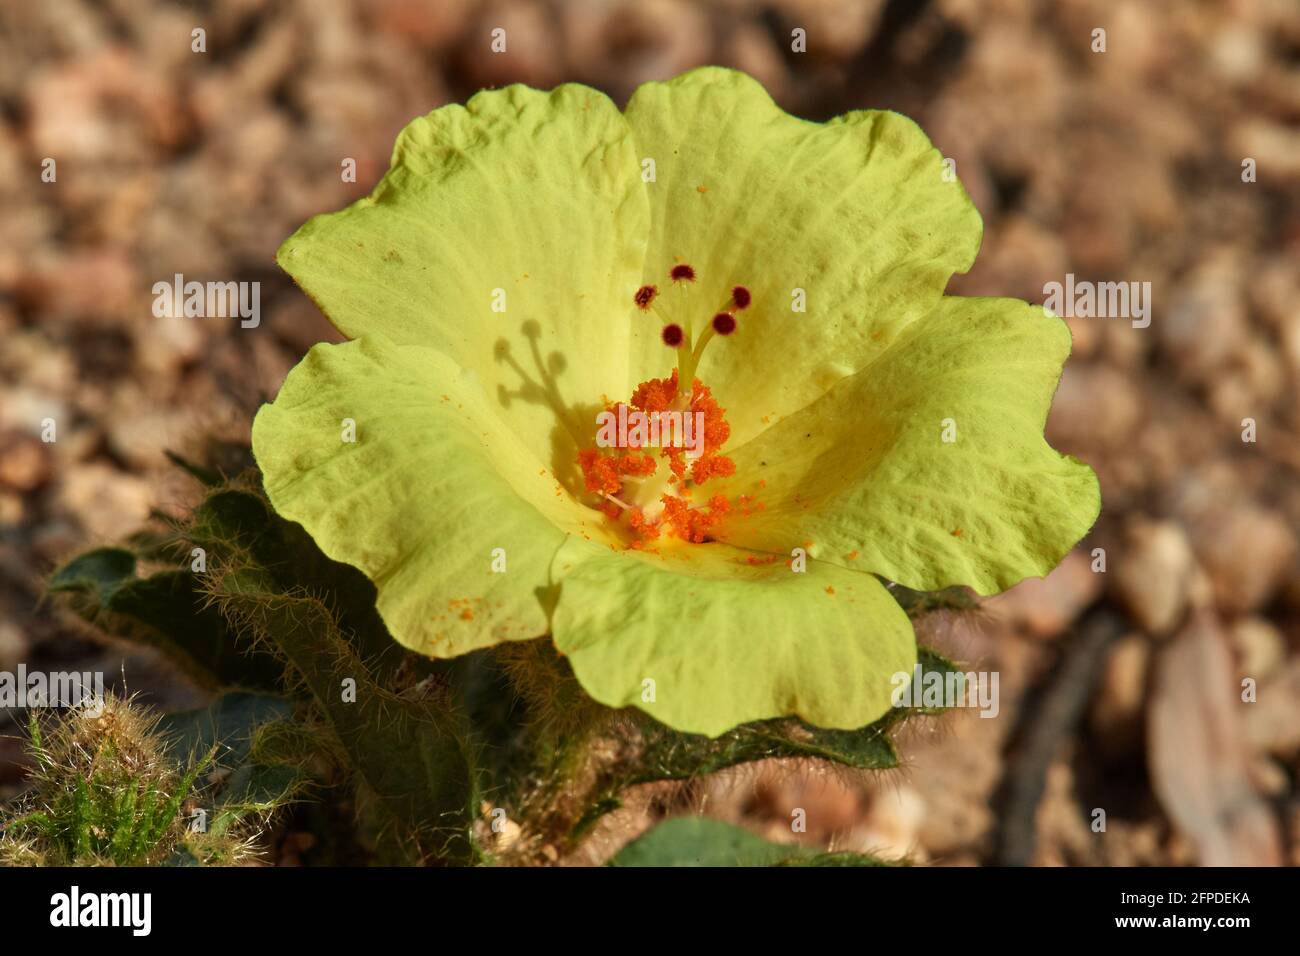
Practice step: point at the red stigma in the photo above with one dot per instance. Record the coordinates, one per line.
(740, 295)
(673, 336)
(682, 273)
(645, 295)
(724, 323)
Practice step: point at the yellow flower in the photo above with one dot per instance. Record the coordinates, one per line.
(535, 259)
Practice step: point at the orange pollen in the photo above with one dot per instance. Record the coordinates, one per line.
(694, 524)
(654, 503)
(604, 474)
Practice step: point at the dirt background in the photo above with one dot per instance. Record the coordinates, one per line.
(1119, 691)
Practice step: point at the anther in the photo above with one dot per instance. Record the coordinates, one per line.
(682, 273)
(740, 295)
(724, 323)
(673, 335)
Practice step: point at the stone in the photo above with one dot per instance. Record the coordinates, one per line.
(1152, 574)
(1116, 714)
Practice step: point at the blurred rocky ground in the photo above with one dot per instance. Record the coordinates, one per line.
(1124, 166)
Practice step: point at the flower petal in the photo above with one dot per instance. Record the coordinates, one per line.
(726, 641)
(433, 483)
(855, 212)
(866, 474)
(533, 195)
